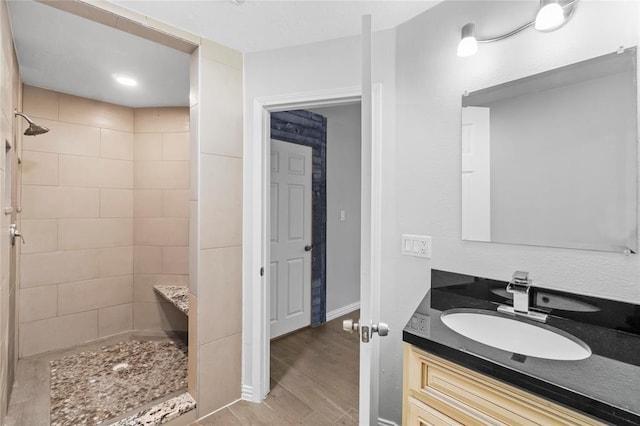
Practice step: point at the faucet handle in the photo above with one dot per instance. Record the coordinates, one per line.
(518, 287)
(519, 283)
(520, 276)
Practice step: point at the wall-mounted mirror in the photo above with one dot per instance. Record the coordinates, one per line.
(551, 159)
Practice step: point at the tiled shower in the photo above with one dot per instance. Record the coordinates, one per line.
(105, 213)
(101, 209)
(105, 210)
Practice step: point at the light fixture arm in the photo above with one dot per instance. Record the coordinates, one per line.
(507, 35)
(527, 25)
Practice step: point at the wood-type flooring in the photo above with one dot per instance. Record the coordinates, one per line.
(314, 381)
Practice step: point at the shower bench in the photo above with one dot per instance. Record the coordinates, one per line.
(176, 295)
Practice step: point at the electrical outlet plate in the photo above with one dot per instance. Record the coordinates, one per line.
(416, 245)
(420, 323)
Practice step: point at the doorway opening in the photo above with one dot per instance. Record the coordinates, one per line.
(256, 312)
(314, 259)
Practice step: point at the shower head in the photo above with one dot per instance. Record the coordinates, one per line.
(33, 129)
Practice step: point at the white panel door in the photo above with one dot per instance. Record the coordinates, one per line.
(476, 174)
(369, 239)
(290, 268)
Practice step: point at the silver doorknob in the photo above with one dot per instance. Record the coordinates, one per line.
(350, 326)
(15, 233)
(381, 328)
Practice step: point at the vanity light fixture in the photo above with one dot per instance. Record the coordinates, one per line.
(552, 15)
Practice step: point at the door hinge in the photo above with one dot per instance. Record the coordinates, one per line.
(262, 271)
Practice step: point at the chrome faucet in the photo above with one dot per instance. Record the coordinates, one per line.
(519, 286)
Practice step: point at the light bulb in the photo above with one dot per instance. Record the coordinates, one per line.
(468, 46)
(549, 16)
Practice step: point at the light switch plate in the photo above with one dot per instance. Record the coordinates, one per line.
(416, 245)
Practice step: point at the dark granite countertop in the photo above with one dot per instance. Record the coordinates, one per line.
(606, 385)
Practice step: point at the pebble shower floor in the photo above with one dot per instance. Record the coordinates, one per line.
(94, 386)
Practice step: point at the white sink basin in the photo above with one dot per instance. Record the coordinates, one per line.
(513, 335)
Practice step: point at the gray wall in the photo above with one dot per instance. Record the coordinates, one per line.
(316, 68)
(430, 80)
(421, 149)
(343, 193)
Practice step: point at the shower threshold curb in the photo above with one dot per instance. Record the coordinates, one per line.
(160, 413)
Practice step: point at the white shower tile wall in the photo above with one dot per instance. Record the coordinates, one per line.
(161, 214)
(10, 92)
(86, 231)
(77, 218)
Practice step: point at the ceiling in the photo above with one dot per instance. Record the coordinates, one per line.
(63, 52)
(259, 25)
(69, 54)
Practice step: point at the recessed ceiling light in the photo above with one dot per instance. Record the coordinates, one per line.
(125, 80)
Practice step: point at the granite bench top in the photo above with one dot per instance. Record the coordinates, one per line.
(177, 295)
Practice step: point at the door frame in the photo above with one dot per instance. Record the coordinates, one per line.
(256, 384)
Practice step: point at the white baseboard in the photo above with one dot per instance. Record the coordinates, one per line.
(383, 422)
(247, 393)
(342, 311)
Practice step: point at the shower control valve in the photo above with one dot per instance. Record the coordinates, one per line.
(15, 233)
